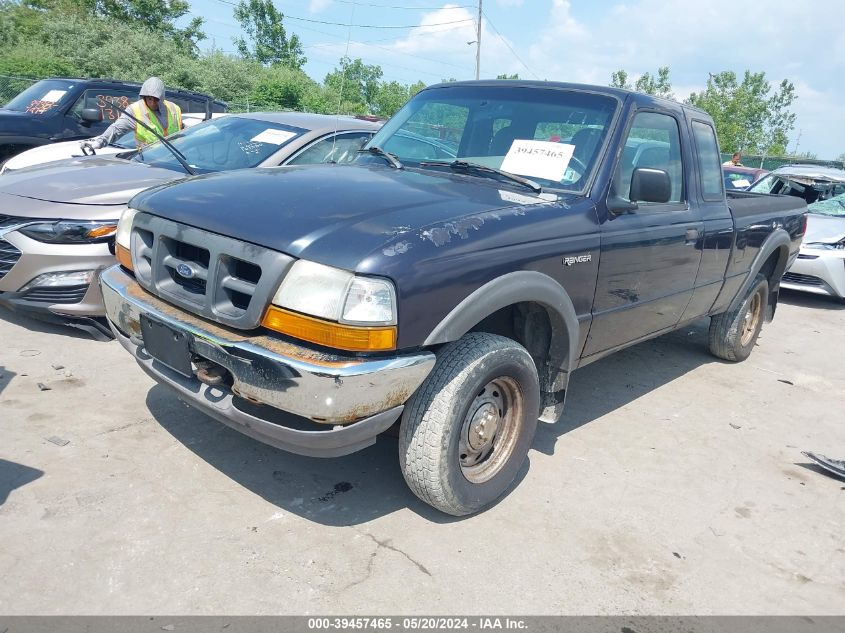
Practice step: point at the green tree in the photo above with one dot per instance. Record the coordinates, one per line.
(268, 42)
(356, 85)
(657, 85)
(281, 87)
(506, 76)
(748, 117)
(158, 16)
(392, 95)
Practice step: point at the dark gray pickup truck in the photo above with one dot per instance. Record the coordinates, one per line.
(491, 239)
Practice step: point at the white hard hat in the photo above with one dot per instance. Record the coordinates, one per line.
(152, 87)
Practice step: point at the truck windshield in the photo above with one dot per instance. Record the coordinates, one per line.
(230, 142)
(42, 96)
(548, 135)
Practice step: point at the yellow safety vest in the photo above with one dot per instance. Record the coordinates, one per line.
(141, 112)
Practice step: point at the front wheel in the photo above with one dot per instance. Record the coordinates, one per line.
(466, 431)
(733, 334)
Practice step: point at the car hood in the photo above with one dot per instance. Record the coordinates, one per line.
(338, 214)
(824, 228)
(89, 180)
(49, 153)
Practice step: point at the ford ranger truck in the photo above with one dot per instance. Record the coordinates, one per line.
(492, 238)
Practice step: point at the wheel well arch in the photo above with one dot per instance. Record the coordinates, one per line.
(771, 261)
(535, 311)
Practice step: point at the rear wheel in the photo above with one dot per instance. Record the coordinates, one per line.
(465, 433)
(733, 334)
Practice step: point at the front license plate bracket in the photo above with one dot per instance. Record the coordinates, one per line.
(167, 345)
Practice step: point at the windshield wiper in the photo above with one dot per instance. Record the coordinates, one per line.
(179, 156)
(462, 165)
(375, 150)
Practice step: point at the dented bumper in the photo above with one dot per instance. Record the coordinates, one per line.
(347, 400)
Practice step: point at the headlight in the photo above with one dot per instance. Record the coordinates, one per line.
(335, 308)
(121, 238)
(124, 228)
(70, 231)
(337, 295)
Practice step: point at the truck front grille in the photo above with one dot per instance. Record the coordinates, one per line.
(9, 256)
(220, 278)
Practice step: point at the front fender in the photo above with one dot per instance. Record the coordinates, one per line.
(515, 288)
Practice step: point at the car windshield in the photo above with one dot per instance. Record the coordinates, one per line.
(41, 97)
(126, 141)
(230, 142)
(550, 136)
(737, 179)
(831, 206)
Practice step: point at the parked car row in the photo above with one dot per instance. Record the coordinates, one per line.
(448, 276)
(60, 109)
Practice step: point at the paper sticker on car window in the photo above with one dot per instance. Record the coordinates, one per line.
(540, 159)
(741, 182)
(274, 137)
(54, 96)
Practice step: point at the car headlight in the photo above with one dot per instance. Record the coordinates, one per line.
(71, 231)
(121, 238)
(335, 308)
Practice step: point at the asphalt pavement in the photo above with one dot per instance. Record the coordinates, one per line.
(674, 484)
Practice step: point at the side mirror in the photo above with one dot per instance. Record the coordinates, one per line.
(92, 115)
(650, 185)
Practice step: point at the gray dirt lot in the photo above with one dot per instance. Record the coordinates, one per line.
(674, 484)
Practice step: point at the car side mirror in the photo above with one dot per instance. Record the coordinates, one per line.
(650, 185)
(92, 115)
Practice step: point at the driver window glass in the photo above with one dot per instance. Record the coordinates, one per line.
(334, 149)
(654, 142)
(103, 100)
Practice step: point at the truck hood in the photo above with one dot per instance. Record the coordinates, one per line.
(91, 180)
(338, 214)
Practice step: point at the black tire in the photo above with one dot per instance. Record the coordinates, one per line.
(473, 379)
(733, 334)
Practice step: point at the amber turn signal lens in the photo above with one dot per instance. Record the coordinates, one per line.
(102, 231)
(335, 335)
(123, 256)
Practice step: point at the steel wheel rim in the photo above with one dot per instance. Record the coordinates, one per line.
(751, 319)
(490, 429)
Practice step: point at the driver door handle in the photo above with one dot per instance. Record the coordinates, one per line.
(692, 236)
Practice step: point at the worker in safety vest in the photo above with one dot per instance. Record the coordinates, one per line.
(165, 117)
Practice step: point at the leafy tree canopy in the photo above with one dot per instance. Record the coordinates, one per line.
(268, 42)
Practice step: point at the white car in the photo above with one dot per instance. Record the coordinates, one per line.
(71, 149)
(820, 267)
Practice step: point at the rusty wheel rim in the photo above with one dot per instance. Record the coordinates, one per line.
(490, 430)
(751, 319)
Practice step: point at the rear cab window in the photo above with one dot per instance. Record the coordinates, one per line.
(709, 164)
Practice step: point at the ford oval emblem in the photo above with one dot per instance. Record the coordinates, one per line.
(186, 271)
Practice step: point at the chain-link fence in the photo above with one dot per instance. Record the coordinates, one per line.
(773, 162)
(12, 86)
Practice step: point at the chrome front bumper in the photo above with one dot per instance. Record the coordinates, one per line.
(350, 399)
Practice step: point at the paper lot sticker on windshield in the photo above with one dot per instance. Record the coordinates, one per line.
(54, 96)
(274, 137)
(540, 159)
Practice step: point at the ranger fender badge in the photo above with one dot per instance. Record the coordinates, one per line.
(569, 260)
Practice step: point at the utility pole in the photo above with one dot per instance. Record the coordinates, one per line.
(478, 45)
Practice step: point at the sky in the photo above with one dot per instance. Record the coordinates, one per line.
(582, 41)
